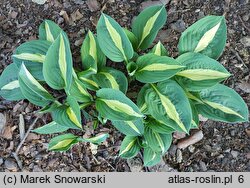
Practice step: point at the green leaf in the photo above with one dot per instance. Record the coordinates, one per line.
(79, 91)
(153, 68)
(112, 40)
(206, 36)
(57, 68)
(87, 80)
(156, 141)
(168, 104)
(32, 89)
(73, 111)
(111, 78)
(150, 157)
(64, 115)
(9, 84)
(90, 47)
(130, 128)
(131, 68)
(200, 72)
(158, 127)
(222, 104)
(147, 24)
(51, 128)
(132, 38)
(195, 121)
(141, 103)
(32, 54)
(129, 147)
(159, 50)
(49, 30)
(97, 139)
(63, 142)
(114, 105)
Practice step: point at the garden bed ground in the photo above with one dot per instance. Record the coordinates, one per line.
(224, 147)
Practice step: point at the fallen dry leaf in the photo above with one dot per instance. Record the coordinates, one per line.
(7, 133)
(93, 5)
(196, 137)
(245, 86)
(76, 15)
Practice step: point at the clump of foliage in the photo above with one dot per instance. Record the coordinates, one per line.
(175, 90)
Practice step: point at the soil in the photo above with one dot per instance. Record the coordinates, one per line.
(224, 147)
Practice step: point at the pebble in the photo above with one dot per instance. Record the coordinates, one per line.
(10, 165)
(245, 17)
(36, 168)
(245, 41)
(135, 164)
(93, 5)
(203, 166)
(1, 160)
(172, 150)
(178, 26)
(234, 153)
(191, 149)
(179, 156)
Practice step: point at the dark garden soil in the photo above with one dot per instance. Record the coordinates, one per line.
(224, 147)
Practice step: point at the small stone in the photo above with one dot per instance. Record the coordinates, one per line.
(13, 14)
(2, 122)
(10, 165)
(179, 135)
(172, 150)
(245, 41)
(179, 156)
(248, 132)
(32, 136)
(234, 153)
(78, 42)
(79, 2)
(36, 168)
(40, 2)
(135, 164)
(245, 17)
(178, 26)
(1, 161)
(93, 5)
(248, 155)
(191, 149)
(203, 166)
(232, 132)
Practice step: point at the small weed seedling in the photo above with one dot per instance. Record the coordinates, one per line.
(175, 90)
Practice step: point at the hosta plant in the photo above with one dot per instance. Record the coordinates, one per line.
(174, 90)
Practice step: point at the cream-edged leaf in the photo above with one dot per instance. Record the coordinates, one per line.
(32, 89)
(206, 36)
(57, 68)
(114, 105)
(129, 147)
(9, 84)
(49, 30)
(147, 24)
(112, 40)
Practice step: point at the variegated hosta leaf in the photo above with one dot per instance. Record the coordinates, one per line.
(156, 141)
(32, 54)
(168, 104)
(114, 105)
(195, 116)
(51, 128)
(112, 40)
(9, 84)
(223, 104)
(150, 157)
(86, 78)
(141, 103)
(79, 91)
(63, 142)
(200, 71)
(131, 68)
(57, 68)
(49, 30)
(111, 78)
(65, 115)
(32, 89)
(159, 50)
(206, 36)
(74, 112)
(129, 147)
(132, 38)
(90, 47)
(147, 24)
(96, 139)
(153, 68)
(130, 128)
(158, 126)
